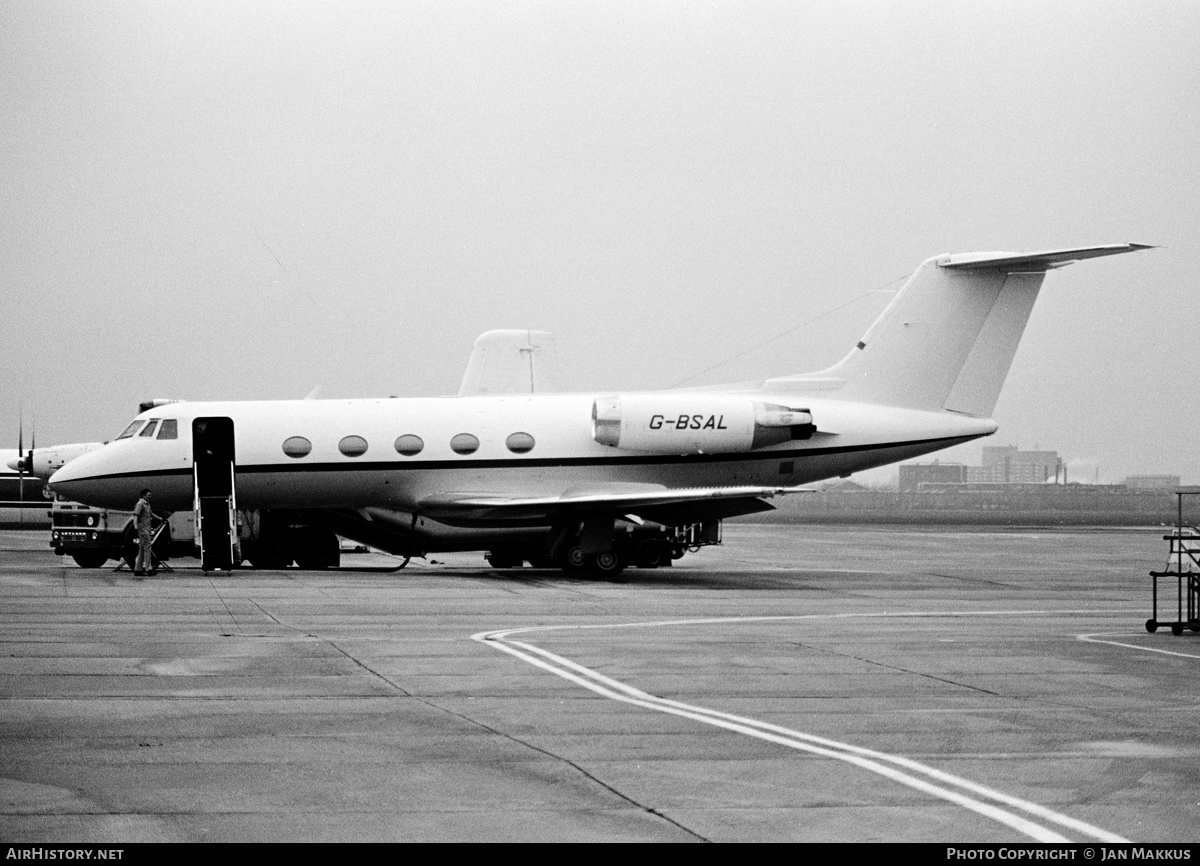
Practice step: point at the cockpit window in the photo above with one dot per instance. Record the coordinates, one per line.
(131, 429)
(149, 431)
(169, 429)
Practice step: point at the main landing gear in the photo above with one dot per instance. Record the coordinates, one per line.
(604, 548)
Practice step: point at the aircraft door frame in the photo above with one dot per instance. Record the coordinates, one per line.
(214, 491)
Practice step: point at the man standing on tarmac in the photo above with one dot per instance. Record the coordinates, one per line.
(144, 517)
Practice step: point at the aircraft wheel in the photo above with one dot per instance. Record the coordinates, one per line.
(270, 553)
(1151, 626)
(1177, 628)
(605, 564)
(653, 554)
(90, 558)
(266, 562)
(317, 549)
(573, 559)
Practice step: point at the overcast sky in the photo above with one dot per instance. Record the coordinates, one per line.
(247, 200)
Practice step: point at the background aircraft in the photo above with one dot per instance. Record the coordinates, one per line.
(44, 462)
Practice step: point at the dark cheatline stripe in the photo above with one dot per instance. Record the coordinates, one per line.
(401, 463)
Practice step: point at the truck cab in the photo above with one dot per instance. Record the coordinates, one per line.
(92, 536)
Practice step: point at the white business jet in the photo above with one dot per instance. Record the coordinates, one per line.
(583, 481)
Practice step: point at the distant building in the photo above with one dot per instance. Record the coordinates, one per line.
(842, 485)
(913, 475)
(1011, 488)
(1008, 464)
(1152, 482)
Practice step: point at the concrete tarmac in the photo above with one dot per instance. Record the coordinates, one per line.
(795, 684)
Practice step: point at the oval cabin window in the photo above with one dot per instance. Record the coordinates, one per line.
(408, 445)
(296, 446)
(464, 443)
(519, 443)
(353, 446)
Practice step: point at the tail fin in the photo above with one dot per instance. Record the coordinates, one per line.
(511, 362)
(947, 339)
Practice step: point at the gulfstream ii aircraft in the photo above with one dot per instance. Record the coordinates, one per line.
(584, 480)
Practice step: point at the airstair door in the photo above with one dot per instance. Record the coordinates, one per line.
(213, 491)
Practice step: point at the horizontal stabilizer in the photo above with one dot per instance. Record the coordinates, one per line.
(1042, 261)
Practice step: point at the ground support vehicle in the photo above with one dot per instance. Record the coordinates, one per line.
(92, 536)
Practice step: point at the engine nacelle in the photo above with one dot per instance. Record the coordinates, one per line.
(695, 423)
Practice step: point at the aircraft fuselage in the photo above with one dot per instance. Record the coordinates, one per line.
(558, 453)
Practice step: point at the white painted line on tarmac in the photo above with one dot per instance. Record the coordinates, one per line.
(1099, 637)
(877, 762)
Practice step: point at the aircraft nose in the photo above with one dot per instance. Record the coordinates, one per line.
(81, 480)
(102, 477)
(14, 464)
(61, 478)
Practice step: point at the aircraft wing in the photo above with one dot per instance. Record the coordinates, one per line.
(465, 509)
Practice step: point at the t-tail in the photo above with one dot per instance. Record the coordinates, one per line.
(947, 340)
